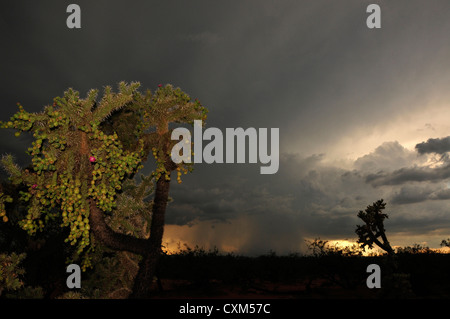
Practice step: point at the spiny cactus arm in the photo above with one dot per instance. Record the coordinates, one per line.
(14, 171)
(170, 105)
(111, 102)
(88, 104)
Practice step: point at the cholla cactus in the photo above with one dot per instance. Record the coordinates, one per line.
(81, 158)
(370, 233)
(63, 178)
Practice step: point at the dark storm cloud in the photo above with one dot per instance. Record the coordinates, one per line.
(442, 194)
(392, 164)
(412, 194)
(306, 198)
(304, 194)
(393, 155)
(419, 193)
(410, 174)
(434, 145)
(308, 67)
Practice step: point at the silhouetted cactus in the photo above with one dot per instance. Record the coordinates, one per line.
(373, 230)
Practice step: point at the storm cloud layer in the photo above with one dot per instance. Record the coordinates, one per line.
(363, 113)
(434, 145)
(311, 198)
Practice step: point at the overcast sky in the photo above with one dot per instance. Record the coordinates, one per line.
(363, 113)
